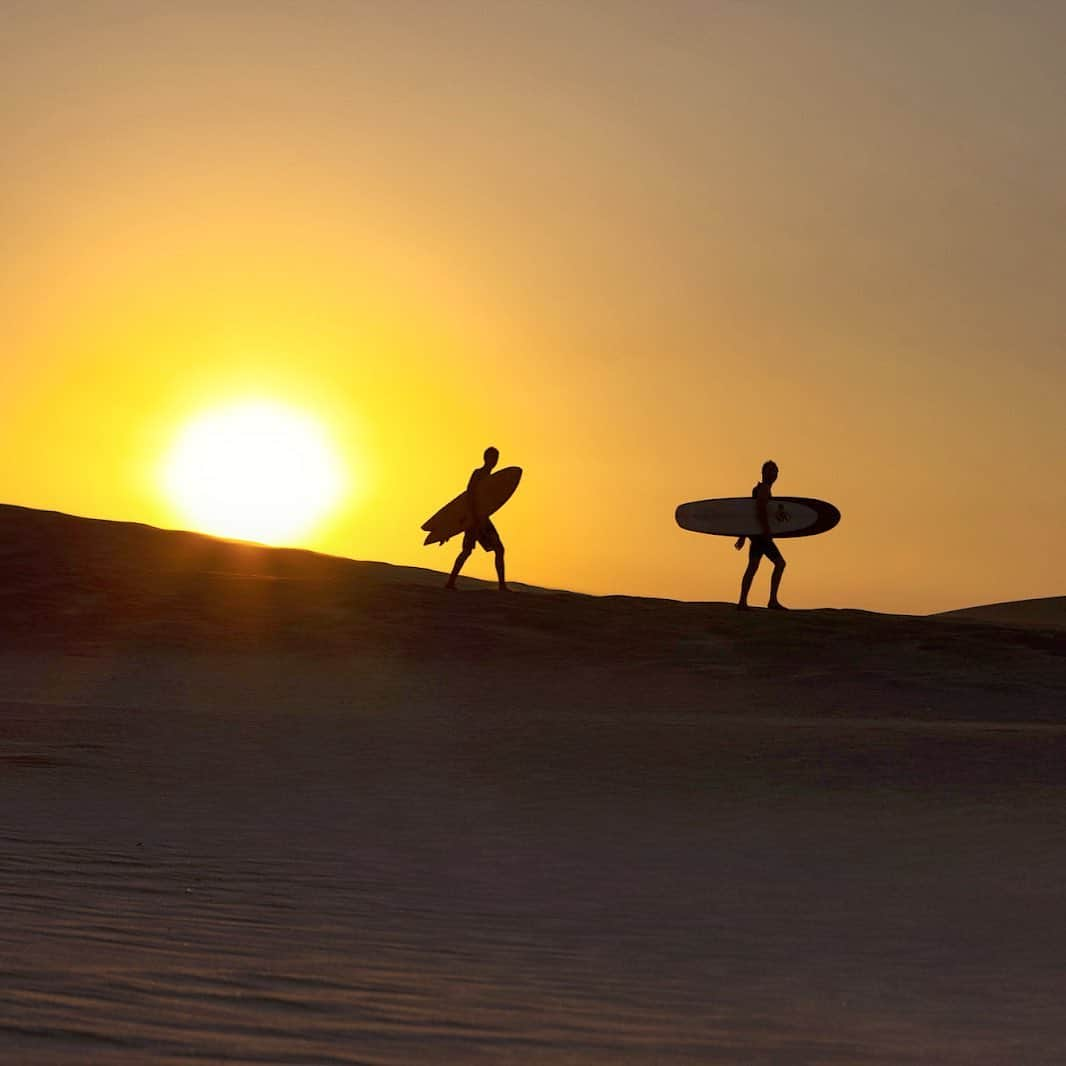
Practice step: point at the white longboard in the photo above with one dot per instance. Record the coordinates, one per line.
(790, 516)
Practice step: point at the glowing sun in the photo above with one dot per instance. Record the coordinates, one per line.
(254, 471)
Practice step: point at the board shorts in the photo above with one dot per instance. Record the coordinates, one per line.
(760, 546)
(485, 535)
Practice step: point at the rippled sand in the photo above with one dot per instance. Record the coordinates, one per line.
(433, 881)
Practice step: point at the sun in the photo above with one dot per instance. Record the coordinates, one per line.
(254, 470)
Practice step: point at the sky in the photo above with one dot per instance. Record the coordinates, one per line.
(640, 248)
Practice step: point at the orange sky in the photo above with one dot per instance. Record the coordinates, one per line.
(638, 247)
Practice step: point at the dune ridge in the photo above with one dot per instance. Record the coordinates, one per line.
(74, 583)
(1048, 612)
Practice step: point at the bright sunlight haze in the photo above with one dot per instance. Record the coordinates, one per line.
(253, 471)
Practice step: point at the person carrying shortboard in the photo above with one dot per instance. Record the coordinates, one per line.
(762, 543)
(480, 528)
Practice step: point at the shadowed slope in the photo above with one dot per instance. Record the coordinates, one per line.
(80, 584)
(1048, 612)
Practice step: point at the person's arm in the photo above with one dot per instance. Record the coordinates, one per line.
(762, 502)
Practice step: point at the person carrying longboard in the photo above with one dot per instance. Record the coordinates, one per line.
(481, 529)
(763, 543)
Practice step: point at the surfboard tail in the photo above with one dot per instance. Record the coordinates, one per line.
(432, 537)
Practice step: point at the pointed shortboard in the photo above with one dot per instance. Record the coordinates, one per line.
(790, 516)
(456, 516)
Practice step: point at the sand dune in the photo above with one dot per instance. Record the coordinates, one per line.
(1048, 612)
(274, 807)
(93, 585)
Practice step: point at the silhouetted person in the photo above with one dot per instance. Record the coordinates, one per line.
(481, 530)
(763, 543)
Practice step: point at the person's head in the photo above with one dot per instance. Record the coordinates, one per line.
(492, 457)
(769, 472)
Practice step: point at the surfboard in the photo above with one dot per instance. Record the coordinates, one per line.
(790, 516)
(454, 517)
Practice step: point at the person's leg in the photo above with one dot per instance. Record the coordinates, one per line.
(746, 580)
(775, 581)
(460, 559)
(499, 568)
(468, 546)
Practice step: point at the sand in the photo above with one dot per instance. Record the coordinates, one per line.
(271, 807)
(1048, 612)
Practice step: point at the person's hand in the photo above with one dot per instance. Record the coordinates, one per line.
(739, 544)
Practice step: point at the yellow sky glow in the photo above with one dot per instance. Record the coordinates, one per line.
(639, 248)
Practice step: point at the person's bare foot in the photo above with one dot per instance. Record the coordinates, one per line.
(505, 588)
(743, 607)
(775, 606)
(449, 584)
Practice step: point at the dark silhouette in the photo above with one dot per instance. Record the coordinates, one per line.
(481, 530)
(763, 543)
